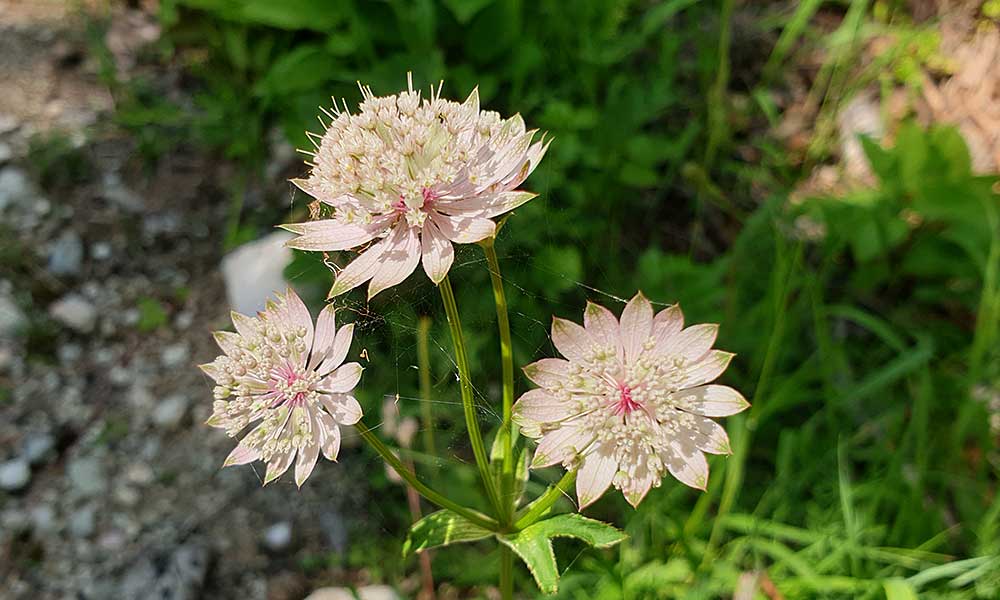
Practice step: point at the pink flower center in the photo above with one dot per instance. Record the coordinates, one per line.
(400, 205)
(287, 385)
(625, 404)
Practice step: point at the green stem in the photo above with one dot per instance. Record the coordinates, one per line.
(410, 477)
(506, 573)
(507, 366)
(544, 502)
(424, 367)
(468, 402)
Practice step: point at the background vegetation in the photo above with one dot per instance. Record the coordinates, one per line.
(866, 323)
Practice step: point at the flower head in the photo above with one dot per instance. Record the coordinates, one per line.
(630, 401)
(413, 175)
(280, 371)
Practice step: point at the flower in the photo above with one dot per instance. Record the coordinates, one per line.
(278, 370)
(412, 175)
(630, 400)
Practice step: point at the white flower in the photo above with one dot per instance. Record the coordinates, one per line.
(413, 176)
(631, 401)
(278, 370)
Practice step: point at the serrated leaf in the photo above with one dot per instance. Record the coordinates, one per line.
(533, 545)
(441, 529)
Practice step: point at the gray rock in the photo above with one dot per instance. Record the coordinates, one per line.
(6, 153)
(69, 353)
(368, 592)
(174, 355)
(254, 271)
(278, 537)
(14, 475)
(115, 191)
(12, 319)
(43, 518)
(36, 447)
(100, 251)
(66, 254)
(184, 576)
(14, 187)
(75, 312)
(170, 411)
(377, 592)
(86, 476)
(83, 522)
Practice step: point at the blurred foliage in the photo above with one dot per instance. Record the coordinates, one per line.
(865, 468)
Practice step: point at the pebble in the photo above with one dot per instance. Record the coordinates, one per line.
(36, 447)
(14, 186)
(75, 312)
(69, 353)
(278, 537)
(254, 271)
(66, 254)
(86, 476)
(368, 592)
(83, 522)
(174, 355)
(100, 251)
(43, 518)
(170, 411)
(12, 319)
(6, 153)
(14, 475)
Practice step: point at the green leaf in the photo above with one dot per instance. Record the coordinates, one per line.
(534, 544)
(898, 589)
(464, 10)
(441, 529)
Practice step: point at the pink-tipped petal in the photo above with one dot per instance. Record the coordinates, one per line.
(398, 261)
(636, 326)
(329, 235)
(299, 317)
(343, 380)
(667, 323)
(548, 372)
(602, 324)
(344, 408)
(360, 270)
(305, 463)
(595, 475)
(464, 230)
(338, 351)
(326, 333)
(438, 253)
(241, 455)
(711, 401)
(571, 340)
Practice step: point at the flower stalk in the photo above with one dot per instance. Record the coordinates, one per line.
(536, 509)
(468, 402)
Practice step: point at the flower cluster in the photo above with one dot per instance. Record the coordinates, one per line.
(290, 376)
(630, 401)
(408, 176)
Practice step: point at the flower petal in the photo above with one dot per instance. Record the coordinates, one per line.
(641, 480)
(561, 444)
(241, 455)
(338, 351)
(704, 433)
(360, 270)
(687, 464)
(326, 333)
(667, 323)
(245, 326)
(711, 400)
(438, 253)
(398, 261)
(278, 464)
(692, 343)
(489, 205)
(344, 408)
(298, 316)
(595, 475)
(329, 435)
(705, 370)
(464, 230)
(540, 406)
(548, 372)
(305, 463)
(602, 324)
(228, 341)
(344, 379)
(330, 235)
(636, 326)
(571, 340)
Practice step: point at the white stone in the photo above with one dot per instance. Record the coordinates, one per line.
(66, 254)
(14, 475)
(12, 319)
(14, 186)
(86, 475)
(254, 271)
(170, 411)
(75, 312)
(36, 447)
(277, 537)
(174, 355)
